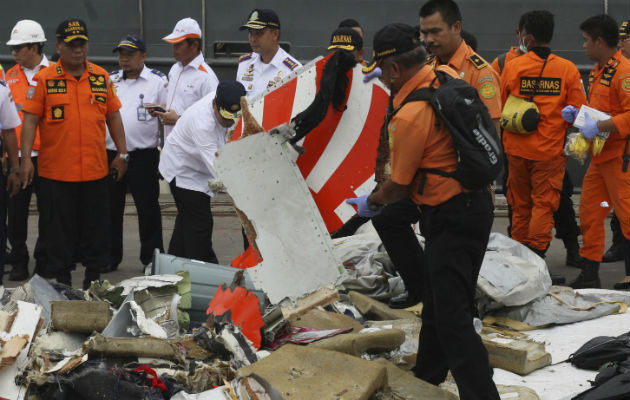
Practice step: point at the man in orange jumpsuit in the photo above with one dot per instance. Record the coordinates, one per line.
(71, 101)
(536, 160)
(606, 183)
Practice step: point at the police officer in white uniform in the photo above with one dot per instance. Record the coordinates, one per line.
(137, 86)
(268, 64)
(9, 120)
(187, 163)
(190, 78)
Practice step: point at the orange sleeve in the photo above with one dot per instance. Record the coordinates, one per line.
(622, 89)
(407, 143)
(489, 86)
(35, 105)
(495, 65)
(506, 80)
(113, 102)
(575, 90)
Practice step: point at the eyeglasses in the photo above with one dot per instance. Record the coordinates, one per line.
(18, 47)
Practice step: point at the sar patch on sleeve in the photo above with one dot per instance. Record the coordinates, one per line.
(477, 61)
(57, 112)
(625, 85)
(290, 63)
(487, 90)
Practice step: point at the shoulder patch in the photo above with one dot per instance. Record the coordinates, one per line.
(158, 73)
(290, 63)
(3, 83)
(202, 68)
(245, 57)
(59, 70)
(114, 72)
(477, 61)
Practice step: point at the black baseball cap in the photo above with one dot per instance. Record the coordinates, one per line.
(390, 41)
(72, 29)
(132, 43)
(624, 28)
(228, 98)
(261, 19)
(345, 38)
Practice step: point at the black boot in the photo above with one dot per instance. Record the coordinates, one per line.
(573, 252)
(589, 277)
(19, 272)
(614, 253)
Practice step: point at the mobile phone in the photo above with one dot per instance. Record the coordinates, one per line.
(157, 108)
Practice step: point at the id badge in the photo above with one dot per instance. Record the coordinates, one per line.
(142, 113)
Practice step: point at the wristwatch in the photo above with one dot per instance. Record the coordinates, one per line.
(124, 156)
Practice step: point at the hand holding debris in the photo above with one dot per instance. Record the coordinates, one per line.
(363, 207)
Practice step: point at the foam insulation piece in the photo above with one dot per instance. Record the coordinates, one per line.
(25, 323)
(291, 236)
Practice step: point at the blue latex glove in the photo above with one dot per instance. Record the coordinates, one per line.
(362, 206)
(569, 113)
(589, 130)
(376, 73)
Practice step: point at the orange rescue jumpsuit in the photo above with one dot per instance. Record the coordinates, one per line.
(536, 160)
(604, 182)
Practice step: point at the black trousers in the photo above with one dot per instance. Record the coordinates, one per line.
(192, 234)
(3, 228)
(142, 180)
(564, 218)
(17, 223)
(76, 214)
(393, 226)
(456, 235)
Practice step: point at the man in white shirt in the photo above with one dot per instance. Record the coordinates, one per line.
(187, 163)
(269, 64)
(26, 42)
(9, 120)
(137, 86)
(190, 78)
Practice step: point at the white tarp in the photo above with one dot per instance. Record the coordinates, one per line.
(368, 268)
(511, 274)
(563, 381)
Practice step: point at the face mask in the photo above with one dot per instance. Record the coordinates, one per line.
(522, 46)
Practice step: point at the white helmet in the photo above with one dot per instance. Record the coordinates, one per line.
(26, 31)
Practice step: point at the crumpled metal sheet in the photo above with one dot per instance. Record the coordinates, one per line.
(268, 187)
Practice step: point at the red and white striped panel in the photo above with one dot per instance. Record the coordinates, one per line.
(340, 153)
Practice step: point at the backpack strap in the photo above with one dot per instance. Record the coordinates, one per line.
(425, 94)
(626, 156)
(501, 61)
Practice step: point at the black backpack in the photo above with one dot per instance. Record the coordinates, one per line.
(475, 139)
(601, 350)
